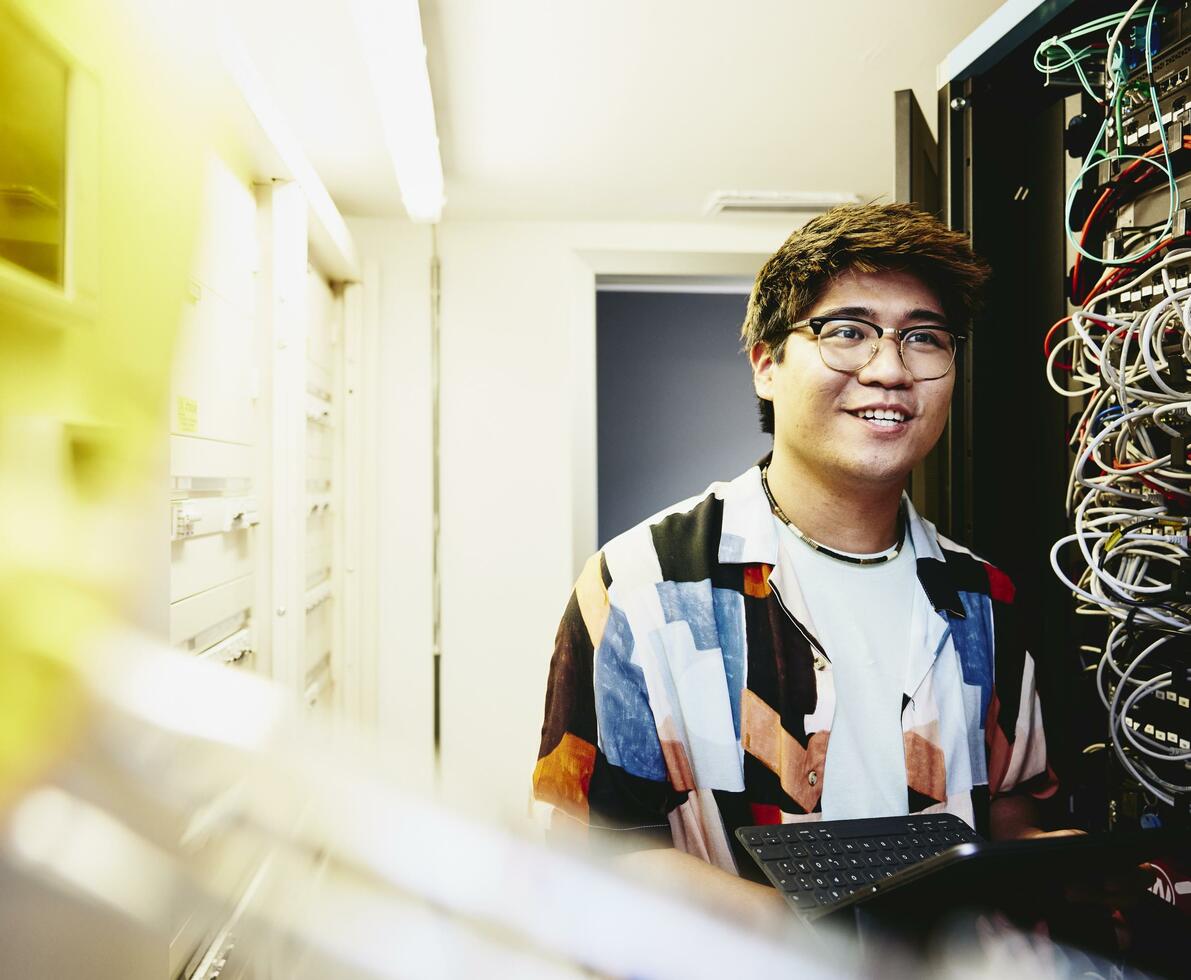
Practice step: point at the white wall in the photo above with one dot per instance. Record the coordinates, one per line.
(517, 457)
(394, 353)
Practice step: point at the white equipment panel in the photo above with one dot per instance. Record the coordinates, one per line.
(323, 610)
(215, 434)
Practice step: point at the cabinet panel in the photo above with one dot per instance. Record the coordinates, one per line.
(190, 617)
(214, 378)
(318, 633)
(320, 441)
(198, 564)
(227, 254)
(202, 463)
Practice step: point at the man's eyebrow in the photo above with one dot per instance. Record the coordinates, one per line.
(921, 314)
(868, 313)
(864, 312)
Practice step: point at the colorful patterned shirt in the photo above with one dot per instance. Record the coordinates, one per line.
(689, 694)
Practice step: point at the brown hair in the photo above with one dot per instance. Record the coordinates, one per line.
(864, 238)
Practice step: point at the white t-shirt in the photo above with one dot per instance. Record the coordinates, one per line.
(861, 615)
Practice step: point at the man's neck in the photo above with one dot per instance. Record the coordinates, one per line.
(862, 519)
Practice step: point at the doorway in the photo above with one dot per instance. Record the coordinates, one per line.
(674, 400)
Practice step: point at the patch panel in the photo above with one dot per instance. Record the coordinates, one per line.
(1172, 75)
(1145, 296)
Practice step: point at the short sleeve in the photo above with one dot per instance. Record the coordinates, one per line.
(573, 777)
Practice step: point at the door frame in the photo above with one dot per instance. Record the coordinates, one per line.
(589, 266)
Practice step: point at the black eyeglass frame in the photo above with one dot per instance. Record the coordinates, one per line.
(815, 324)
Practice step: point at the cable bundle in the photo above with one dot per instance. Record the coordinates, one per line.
(1129, 493)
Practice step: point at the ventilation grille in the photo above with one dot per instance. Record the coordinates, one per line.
(776, 202)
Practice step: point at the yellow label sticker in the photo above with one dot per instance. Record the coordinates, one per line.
(187, 414)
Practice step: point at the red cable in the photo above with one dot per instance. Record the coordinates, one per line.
(1094, 213)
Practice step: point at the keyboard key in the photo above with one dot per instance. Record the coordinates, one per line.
(874, 861)
(872, 875)
(807, 835)
(816, 850)
(805, 883)
(770, 852)
(855, 862)
(905, 857)
(837, 880)
(850, 847)
(826, 835)
(820, 880)
(797, 850)
(900, 842)
(818, 864)
(804, 900)
(836, 894)
(836, 864)
(854, 878)
(754, 837)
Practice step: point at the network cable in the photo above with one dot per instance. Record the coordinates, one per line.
(1123, 352)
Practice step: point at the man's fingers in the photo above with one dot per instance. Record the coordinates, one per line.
(1114, 889)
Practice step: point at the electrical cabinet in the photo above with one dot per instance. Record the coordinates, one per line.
(215, 434)
(255, 505)
(321, 661)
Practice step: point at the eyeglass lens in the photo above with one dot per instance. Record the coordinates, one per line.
(848, 345)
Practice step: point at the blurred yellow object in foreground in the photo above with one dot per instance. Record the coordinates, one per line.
(104, 111)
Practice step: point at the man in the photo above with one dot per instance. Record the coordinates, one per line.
(798, 644)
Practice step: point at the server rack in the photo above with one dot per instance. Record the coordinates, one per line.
(1011, 142)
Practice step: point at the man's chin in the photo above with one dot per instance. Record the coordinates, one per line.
(879, 474)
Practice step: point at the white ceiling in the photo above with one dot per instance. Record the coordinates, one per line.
(617, 109)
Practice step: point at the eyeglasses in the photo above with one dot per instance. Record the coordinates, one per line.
(847, 344)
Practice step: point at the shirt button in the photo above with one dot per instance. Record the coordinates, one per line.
(812, 777)
(820, 662)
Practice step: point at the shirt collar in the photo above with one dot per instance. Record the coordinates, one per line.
(748, 536)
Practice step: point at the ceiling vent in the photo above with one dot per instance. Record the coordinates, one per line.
(776, 202)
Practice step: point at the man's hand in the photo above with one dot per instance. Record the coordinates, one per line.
(1016, 818)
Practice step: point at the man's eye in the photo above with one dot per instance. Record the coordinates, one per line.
(842, 331)
(933, 339)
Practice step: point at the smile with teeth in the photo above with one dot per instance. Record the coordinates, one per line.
(882, 416)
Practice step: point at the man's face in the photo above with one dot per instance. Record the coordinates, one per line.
(817, 420)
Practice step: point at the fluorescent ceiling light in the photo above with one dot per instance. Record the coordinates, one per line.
(390, 33)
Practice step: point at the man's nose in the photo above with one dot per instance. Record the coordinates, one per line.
(886, 367)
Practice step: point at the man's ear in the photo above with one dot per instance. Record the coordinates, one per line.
(763, 363)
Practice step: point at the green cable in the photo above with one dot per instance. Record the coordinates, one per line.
(1096, 154)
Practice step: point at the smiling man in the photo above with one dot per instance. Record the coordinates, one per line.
(799, 644)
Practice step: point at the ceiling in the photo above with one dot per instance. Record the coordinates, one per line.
(616, 109)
